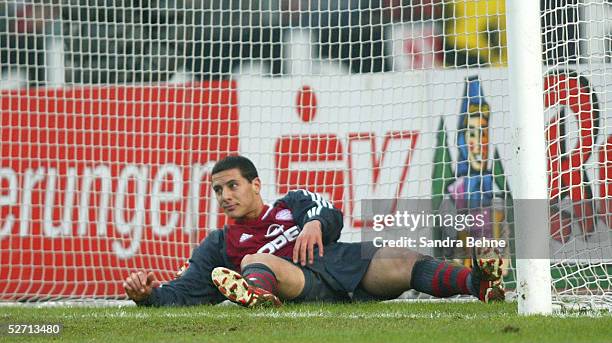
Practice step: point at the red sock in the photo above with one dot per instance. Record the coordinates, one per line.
(260, 275)
(439, 278)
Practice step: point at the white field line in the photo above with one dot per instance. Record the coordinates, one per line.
(128, 303)
(241, 314)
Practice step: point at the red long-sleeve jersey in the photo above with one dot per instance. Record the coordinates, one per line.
(274, 232)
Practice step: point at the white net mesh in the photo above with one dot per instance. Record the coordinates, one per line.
(113, 113)
(577, 99)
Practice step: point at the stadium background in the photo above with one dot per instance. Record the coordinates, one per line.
(150, 93)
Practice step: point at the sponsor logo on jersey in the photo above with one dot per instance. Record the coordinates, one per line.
(281, 240)
(275, 230)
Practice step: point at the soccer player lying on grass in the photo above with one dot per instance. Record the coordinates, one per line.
(289, 252)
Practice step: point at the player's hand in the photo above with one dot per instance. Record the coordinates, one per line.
(310, 236)
(138, 286)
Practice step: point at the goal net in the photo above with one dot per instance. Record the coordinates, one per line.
(577, 37)
(114, 112)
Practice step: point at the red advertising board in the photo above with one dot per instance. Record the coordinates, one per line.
(100, 181)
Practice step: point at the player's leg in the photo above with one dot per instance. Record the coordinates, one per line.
(388, 274)
(293, 282)
(395, 270)
(264, 279)
(273, 274)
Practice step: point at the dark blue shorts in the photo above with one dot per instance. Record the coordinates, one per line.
(336, 277)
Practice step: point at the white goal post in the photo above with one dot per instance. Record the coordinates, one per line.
(528, 148)
(113, 114)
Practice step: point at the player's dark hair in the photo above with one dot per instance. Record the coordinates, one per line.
(246, 167)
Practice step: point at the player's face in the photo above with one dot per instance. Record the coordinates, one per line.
(238, 197)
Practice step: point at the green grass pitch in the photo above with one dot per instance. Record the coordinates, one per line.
(419, 322)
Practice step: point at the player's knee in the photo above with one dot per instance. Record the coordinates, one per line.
(255, 258)
(400, 260)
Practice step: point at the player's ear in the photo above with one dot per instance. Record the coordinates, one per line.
(256, 184)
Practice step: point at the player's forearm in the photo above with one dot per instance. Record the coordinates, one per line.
(194, 286)
(151, 300)
(162, 297)
(307, 206)
(169, 296)
(331, 225)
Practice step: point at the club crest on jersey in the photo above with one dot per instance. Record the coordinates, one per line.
(275, 230)
(284, 215)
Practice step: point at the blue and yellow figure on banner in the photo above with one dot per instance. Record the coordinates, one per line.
(473, 186)
(477, 180)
